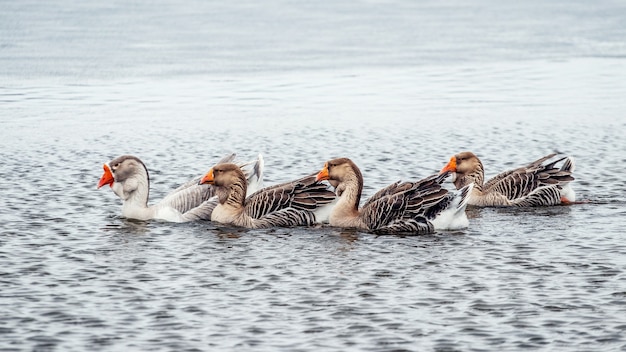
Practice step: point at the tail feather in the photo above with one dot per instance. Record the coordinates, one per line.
(442, 177)
(551, 165)
(454, 217)
(465, 197)
(227, 159)
(567, 193)
(569, 165)
(253, 174)
(541, 160)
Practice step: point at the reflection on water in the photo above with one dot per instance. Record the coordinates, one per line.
(347, 238)
(397, 87)
(348, 235)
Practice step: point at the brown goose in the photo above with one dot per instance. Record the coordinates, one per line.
(128, 177)
(532, 185)
(288, 204)
(403, 207)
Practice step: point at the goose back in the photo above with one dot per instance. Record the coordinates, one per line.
(534, 184)
(287, 204)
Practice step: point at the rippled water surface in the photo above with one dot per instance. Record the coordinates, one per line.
(397, 86)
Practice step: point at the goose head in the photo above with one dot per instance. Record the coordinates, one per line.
(342, 173)
(461, 165)
(125, 174)
(223, 177)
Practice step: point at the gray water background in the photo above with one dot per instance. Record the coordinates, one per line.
(398, 86)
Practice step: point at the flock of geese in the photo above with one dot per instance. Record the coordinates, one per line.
(232, 193)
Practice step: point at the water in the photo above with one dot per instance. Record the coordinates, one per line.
(397, 86)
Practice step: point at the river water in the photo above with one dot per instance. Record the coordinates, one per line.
(397, 86)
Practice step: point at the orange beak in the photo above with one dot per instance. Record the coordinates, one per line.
(450, 167)
(208, 178)
(107, 177)
(323, 174)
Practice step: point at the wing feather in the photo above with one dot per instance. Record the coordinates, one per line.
(201, 212)
(287, 217)
(188, 198)
(521, 182)
(404, 205)
(302, 194)
(543, 196)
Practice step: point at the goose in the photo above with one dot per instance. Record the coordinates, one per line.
(128, 177)
(403, 207)
(294, 203)
(535, 184)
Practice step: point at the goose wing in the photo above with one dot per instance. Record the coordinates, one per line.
(412, 202)
(430, 207)
(521, 182)
(542, 196)
(202, 211)
(417, 226)
(504, 175)
(393, 188)
(286, 217)
(188, 198)
(302, 194)
(399, 187)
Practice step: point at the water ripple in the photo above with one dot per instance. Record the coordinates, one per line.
(76, 276)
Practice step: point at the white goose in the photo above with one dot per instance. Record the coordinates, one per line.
(294, 203)
(532, 185)
(403, 207)
(128, 177)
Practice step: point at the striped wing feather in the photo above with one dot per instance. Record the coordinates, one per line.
(548, 195)
(524, 181)
(286, 218)
(409, 206)
(188, 198)
(393, 188)
(302, 194)
(504, 175)
(384, 210)
(400, 186)
(201, 212)
(417, 226)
